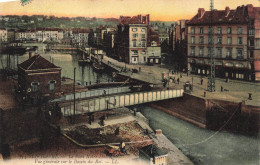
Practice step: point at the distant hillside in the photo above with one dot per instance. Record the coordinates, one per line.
(41, 21)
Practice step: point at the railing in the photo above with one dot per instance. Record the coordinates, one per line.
(117, 101)
(93, 93)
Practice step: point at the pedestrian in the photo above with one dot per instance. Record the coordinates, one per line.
(172, 72)
(181, 75)
(105, 92)
(178, 80)
(221, 88)
(173, 79)
(201, 81)
(139, 69)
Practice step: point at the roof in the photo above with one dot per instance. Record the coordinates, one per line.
(227, 16)
(151, 150)
(37, 62)
(139, 19)
(153, 36)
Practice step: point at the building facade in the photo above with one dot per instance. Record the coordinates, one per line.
(3, 35)
(134, 36)
(38, 77)
(231, 36)
(80, 36)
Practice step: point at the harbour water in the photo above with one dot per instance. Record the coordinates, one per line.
(66, 61)
(204, 146)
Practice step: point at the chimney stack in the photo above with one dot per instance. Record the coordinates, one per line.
(227, 10)
(147, 21)
(201, 12)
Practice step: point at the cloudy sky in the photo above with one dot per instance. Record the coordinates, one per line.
(166, 10)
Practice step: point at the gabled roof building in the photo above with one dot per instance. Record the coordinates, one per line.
(38, 77)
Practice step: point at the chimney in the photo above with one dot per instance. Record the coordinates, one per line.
(147, 21)
(140, 17)
(201, 12)
(227, 10)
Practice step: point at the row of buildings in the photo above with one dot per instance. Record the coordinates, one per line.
(133, 41)
(76, 36)
(232, 35)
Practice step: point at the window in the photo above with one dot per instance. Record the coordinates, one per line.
(219, 52)
(219, 30)
(192, 30)
(251, 54)
(143, 29)
(210, 40)
(192, 39)
(229, 40)
(229, 53)
(134, 52)
(143, 35)
(135, 35)
(201, 40)
(210, 50)
(239, 53)
(229, 30)
(210, 30)
(251, 42)
(201, 51)
(239, 30)
(143, 43)
(134, 29)
(239, 40)
(52, 85)
(134, 43)
(251, 32)
(219, 41)
(35, 86)
(192, 51)
(201, 30)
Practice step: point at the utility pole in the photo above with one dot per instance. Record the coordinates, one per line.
(211, 76)
(74, 108)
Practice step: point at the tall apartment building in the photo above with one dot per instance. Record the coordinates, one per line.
(135, 39)
(80, 36)
(235, 41)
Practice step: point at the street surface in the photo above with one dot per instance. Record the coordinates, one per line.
(234, 90)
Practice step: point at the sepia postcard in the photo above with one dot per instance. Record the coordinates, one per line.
(121, 82)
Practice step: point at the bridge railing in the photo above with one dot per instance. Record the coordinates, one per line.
(93, 93)
(120, 100)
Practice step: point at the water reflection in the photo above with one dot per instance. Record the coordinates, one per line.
(66, 61)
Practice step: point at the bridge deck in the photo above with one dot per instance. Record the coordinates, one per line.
(118, 100)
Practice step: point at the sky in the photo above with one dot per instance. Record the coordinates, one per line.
(164, 10)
